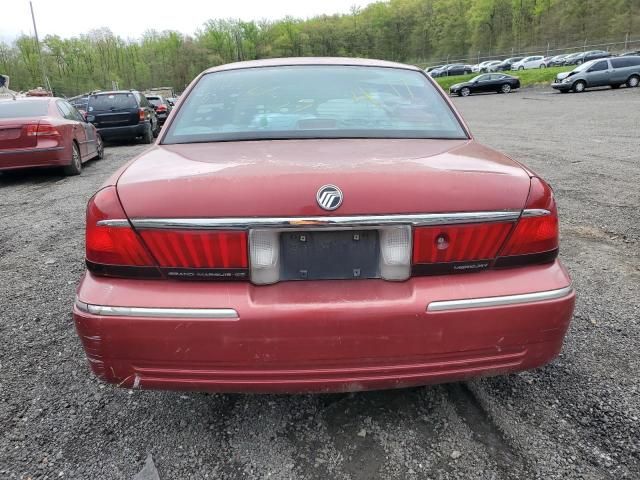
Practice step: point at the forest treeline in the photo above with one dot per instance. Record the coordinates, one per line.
(414, 31)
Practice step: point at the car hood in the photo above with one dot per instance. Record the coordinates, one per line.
(563, 75)
(281, 178)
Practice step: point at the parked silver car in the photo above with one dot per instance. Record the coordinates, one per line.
(615, 72)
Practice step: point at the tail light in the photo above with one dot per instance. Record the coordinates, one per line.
(197, 249)
(41, 130)
(161, 108)
(450, 248)
(141, 115)
(533, 240)
(114, 248)
(536, 236)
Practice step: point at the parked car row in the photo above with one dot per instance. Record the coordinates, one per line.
(522, 63)
(450, 70)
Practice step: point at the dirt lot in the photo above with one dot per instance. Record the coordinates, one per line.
(576, 418)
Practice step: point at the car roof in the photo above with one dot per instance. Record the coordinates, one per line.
(113, 92)
(34, 99)
(338, 61)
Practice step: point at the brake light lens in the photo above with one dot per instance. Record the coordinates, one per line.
(458, 243)
(197, 249)
(537, 230)
(117, 249)
(41, 130)
(161, 108)
(112, 245)
(141, 115)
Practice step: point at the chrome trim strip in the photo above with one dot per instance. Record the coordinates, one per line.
(446, 305)
(189, 313)
(535, 212)
(358, 221)
(114, 223)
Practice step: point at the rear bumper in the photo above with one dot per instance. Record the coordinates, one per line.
(322, 336)
(34, 157)
(124, 132)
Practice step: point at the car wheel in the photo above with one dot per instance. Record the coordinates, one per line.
(156, 131)
(579, 62)
(506, 88)
(542, 65)
(75, 166)
(465, 92)
(99, 147)
(148, 135)
(633, 81)
(520, 68)
(579, 86)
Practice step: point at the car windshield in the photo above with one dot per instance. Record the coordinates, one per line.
(112, 101)
(313, 101)
(584, 66)
(23, 109)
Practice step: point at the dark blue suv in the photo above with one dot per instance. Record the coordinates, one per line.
(123, 114)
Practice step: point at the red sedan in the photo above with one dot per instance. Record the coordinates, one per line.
(319, 225)
(45, 132)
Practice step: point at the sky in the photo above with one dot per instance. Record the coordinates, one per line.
(130, 18)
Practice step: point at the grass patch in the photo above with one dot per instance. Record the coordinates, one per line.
(527, 77)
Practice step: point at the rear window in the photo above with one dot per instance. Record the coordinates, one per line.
(313, 102)
(155, 101)
(22, 109)
(112, 101)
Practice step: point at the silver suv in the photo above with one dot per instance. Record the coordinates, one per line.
(614, 71)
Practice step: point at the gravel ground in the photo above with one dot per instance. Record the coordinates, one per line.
(575, 418)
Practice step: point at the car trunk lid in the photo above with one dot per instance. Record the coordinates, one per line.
(282, 177)
(18, 133)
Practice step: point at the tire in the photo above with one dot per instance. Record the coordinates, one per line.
(156, 131)
(633, 81)
(100, 149)
(579, 86)
(505, 88)
(148, 135)
(465, 92)
(579, 62)
(521, 68)
(542, 65)
(75, 166)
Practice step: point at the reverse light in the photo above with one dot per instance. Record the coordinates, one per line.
(264, 246)
(395, 253)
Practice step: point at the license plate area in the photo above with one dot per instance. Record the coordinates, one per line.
(329, 255)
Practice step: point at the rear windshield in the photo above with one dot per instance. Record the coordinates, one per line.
(155, 101)
(313, 102)
(112, 101)
(22, 109)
